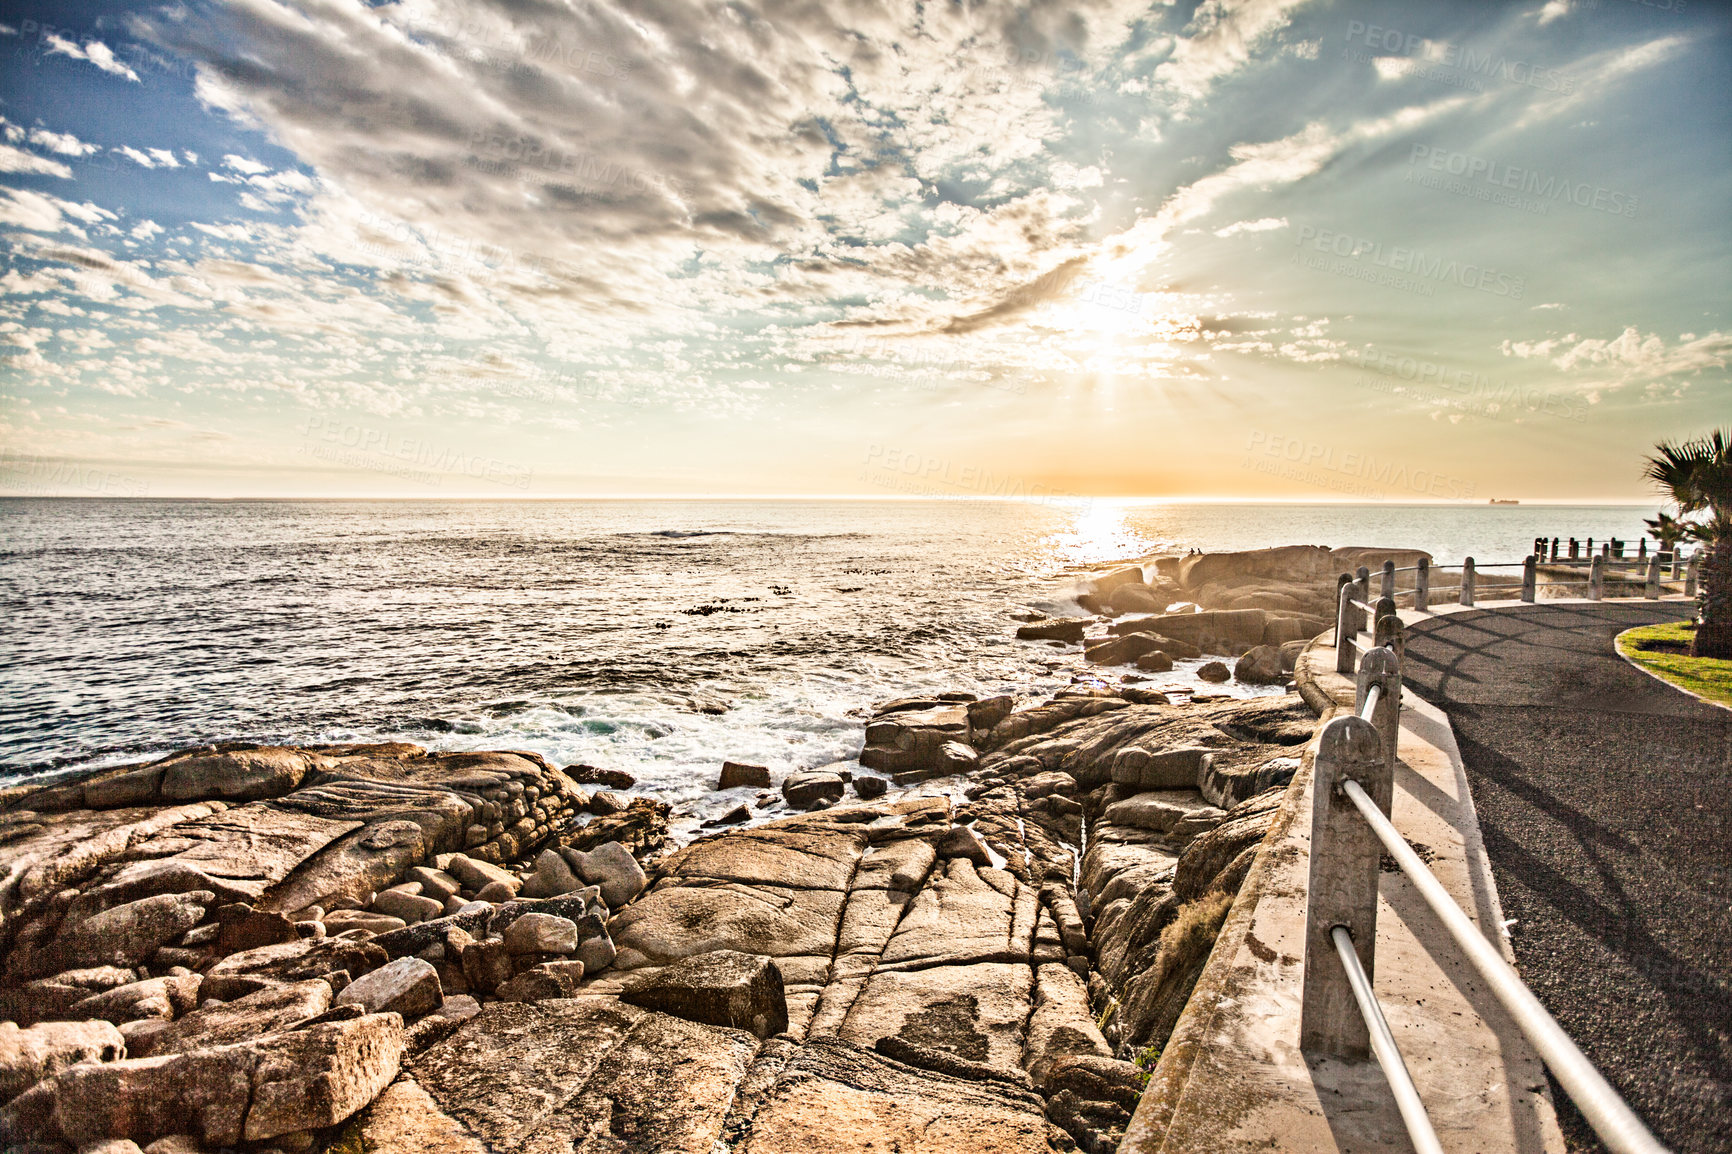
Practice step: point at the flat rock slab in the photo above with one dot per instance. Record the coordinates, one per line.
(976, 1012)
(807, 859)
(578, 1074)
(964, 914)
(832, 1098)
(673, 922)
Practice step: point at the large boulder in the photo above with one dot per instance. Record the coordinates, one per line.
(268, 1011)
(1290, 562)
(239, 775)
(42, 1051)
(1229, 631)
(252, 1091)
(407, 986)
(813, 789)
(163, 998)
(1104, 585)
(1123, 649)
(1260, 666)
(1067, 629)
(720, 988)
(128, 934)
(611, 867)
(736, 773)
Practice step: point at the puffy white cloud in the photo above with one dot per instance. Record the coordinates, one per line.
(64, 143)
(93, 51)
(30, 164)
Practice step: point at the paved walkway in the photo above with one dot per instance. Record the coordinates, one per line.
(1605, 800)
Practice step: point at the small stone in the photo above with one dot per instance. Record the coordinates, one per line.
(962, 841)
(1215, 672)
(435, 883)
(486, 965)
(176, 1144)
(347, 921)
(596, 953)
(477, 875)
(736, 816)
(955, 757)
(811, 790)
(606, 802)
(1260, 666)
(496, 892)
(407, 986)
(552, 877)
(720, 988)
(736, 773)
(868, 787)
(541, 934)
(1156, 662)
(111, 1146)
(411, 908)
(611, 867)
(590, 775)
(547, 980)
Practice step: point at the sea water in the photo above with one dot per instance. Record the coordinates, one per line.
(658, 637)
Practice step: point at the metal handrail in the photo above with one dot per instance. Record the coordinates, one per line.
(1383, 1046)
(1612, 1119)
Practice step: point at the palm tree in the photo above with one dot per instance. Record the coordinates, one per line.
(1697, 475)
(1667, 531)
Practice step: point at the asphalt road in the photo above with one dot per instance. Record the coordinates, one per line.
(1605, 798)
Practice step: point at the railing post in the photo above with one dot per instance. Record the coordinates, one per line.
(1641, 548)
(1554, 548)
(1343, 886)
(1387, 589)
(1590, 546)
(1362, 592)
(1530, 577)
(1422, 585)
(1344, 631)
(1652, 592)
(1677, 562)
(1693, 571)
(1390, 634)
(1382, 668)
(1575, 549)
(1466, 597)
(1597, 579)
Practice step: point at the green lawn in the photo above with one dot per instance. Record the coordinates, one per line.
(1710, 677)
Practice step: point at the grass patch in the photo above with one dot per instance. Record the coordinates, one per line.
(1664, 651)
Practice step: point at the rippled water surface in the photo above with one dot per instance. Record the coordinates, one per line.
(589, 631)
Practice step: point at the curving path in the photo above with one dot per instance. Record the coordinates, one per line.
(1605, 799)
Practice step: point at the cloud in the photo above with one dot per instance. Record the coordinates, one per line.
(1630, 357)
(94, 51)
(1223, 36)
(42, 212)
(64, 143)
(30, 164)
(1263, 225)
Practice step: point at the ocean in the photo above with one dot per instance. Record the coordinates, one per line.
(592, 631)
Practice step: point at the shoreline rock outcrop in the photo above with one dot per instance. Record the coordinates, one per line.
(378, 947)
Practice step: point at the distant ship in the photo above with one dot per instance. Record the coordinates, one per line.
(1504, 501)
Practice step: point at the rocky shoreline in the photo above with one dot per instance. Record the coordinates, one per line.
(377, 947)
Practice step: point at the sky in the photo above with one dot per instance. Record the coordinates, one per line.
(1240, 249)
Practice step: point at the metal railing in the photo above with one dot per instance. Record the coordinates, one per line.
(1354, 604)
(1353, 790)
